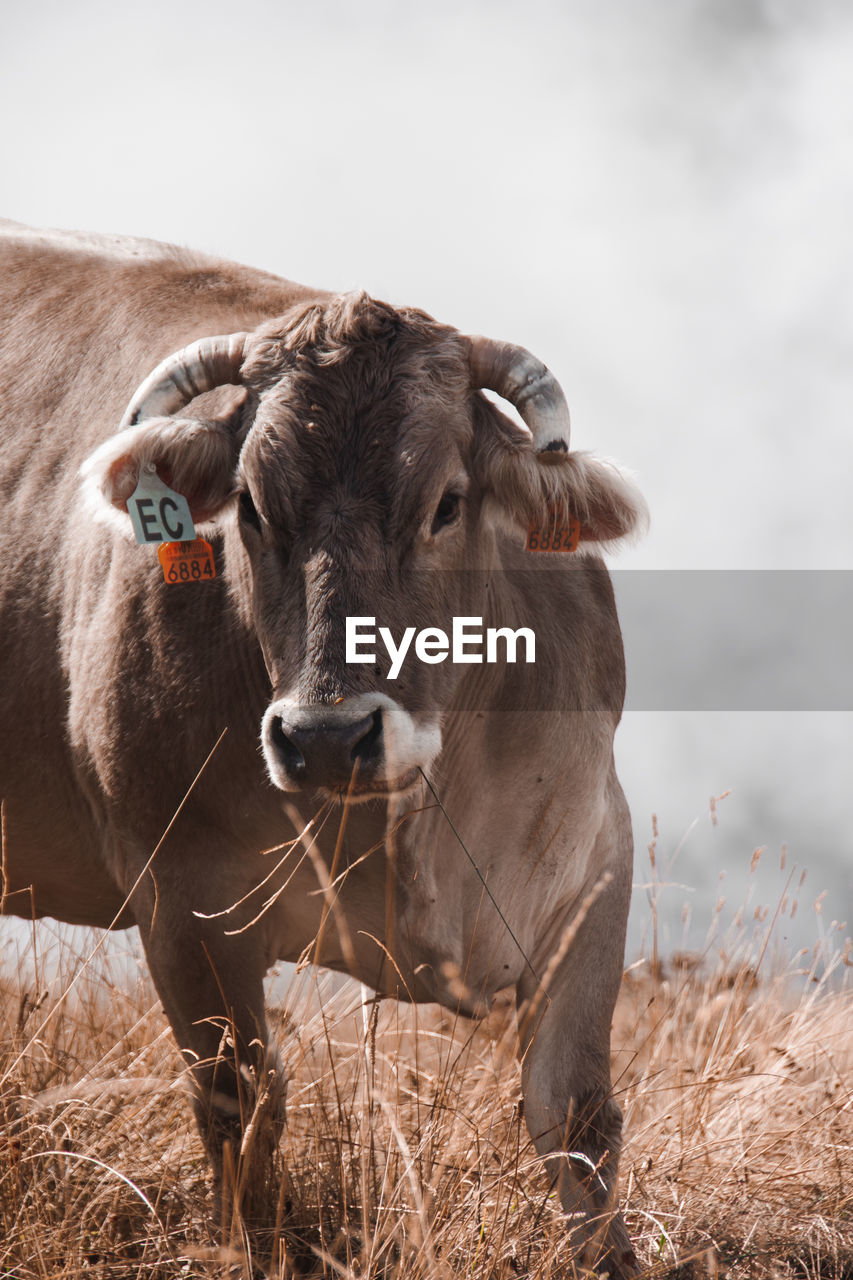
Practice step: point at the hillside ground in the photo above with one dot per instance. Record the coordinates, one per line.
(406, 1153)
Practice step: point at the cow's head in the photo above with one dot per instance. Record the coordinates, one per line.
(363, 466)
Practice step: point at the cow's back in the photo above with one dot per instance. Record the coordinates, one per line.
(85, 320)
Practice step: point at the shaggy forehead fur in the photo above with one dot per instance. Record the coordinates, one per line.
(358, 402)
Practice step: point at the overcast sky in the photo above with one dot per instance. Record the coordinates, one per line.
(656, 198)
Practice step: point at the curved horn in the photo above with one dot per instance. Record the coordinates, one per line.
(525, 382)
(203, 365)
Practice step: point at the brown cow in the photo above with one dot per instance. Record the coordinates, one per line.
(357, 472)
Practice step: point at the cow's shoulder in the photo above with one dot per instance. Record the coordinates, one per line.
(17, 239)
(165, 279)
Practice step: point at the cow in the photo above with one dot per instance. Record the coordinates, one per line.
(340, 461)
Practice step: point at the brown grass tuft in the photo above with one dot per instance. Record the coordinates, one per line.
(406, 1153)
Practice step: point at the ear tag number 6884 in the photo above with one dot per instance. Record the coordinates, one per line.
(554, 534)
(190, 561)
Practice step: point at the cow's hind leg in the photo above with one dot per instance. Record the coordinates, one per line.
(570, 1112)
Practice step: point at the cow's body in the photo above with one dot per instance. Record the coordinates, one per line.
(117, 687)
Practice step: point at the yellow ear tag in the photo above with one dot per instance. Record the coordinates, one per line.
(187, 561)
(554, 535)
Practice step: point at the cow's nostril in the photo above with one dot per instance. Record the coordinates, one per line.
(369, 748)
(318, 747)
(290, 755)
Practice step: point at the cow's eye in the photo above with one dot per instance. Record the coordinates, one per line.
(248, 511)
(447, 511)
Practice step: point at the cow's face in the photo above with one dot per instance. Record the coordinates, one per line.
(366, 477)
(357, 500)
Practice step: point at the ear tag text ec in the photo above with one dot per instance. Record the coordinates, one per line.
(552, 534)
(157, 513)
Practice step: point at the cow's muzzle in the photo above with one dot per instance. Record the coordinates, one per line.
(329, 753)
(364, 746)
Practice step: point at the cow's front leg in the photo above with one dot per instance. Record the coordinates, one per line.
(570, 1112)
(211, 986)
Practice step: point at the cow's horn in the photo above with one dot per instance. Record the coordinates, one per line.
(525, 382)
(203, 365)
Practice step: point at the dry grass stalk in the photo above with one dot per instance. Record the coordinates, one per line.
(406, 1153)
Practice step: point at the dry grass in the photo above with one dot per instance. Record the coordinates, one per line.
(406, 1153)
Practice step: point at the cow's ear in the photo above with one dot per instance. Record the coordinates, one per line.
(196, 458)
(522, 489)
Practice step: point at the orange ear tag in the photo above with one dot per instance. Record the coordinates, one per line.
(187, 561)
(549, 535)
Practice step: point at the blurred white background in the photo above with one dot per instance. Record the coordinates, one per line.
(656, 198)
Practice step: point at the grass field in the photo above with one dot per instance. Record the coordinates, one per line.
(406, 1153)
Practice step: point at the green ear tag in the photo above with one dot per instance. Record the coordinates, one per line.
(157, 513)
